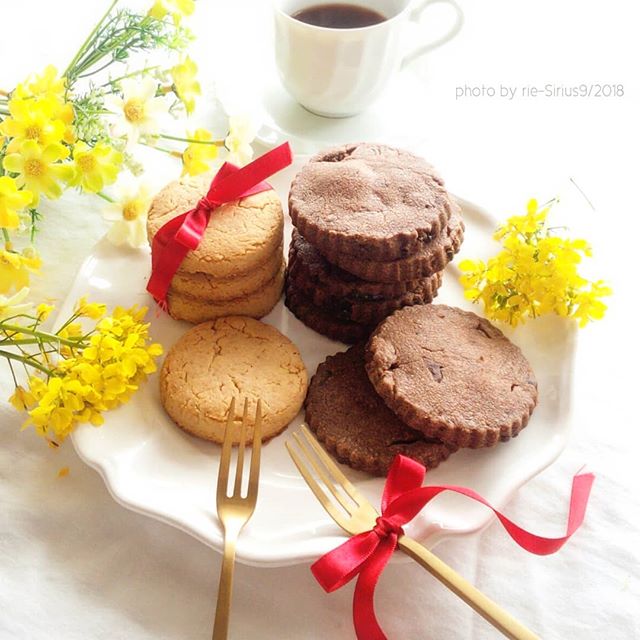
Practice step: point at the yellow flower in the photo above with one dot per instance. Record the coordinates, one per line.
(15, 269)
(186, 85)
(22, 399)
(196, 157)
(94, 167)
(39, 169)
(48, 82)
(137, 110)
(535, 273)
(93, 310)
(32, 120)
(176, 8)
(129, 215)
(43, 311)
(12, 201)
(14, 305)
(242, 131)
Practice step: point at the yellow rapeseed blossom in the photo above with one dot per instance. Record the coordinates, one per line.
(93, 168)
(185, 82)
(39, 169)
(12, 201)
(104, 368)
(177, 9)
(196, 157)
(536, 273)
(15, 269)
(43, 311)
(93, 310)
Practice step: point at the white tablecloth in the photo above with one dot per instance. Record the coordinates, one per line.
(74, 564)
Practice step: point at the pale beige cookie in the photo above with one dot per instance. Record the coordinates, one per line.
(241, 235)
(232, 357)
(256, 304)
(206, 287)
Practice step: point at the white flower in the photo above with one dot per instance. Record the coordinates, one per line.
(242, 131)
(138, 110)
(13, 305)
(128, 213)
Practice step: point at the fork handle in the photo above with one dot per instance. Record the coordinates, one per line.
(483, 605)
(225, 587)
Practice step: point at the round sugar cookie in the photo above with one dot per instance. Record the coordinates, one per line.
(232, 357)
(240, 236)
(256, 304)
(452, 375)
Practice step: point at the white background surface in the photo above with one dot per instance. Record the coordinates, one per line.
(73, 564)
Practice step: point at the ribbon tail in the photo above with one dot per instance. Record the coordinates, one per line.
(364, 616)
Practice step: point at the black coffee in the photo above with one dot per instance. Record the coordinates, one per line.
(339, 16)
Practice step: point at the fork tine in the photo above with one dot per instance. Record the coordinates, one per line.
(254, 472)
(320, 470)
(323, 498)
(237, 485)
(225, 456)
(332, 467)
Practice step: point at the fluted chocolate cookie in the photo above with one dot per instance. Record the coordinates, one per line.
(451, 375)
(429, 258)
(307, 262)
(371, 201)
(355, 425)
(360, 310)
(323, 320)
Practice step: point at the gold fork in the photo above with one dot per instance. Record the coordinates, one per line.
(235, 510)
(355, 514)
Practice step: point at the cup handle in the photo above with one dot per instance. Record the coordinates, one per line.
(416, 15)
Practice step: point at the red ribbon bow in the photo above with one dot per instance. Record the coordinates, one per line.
(184, 232)
(366, 554)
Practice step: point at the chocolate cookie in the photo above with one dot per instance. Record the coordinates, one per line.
(364, 311)
(354, 424)
(322, 320)
(371, 201)
(306, 261)
(452, 375)
(429, 259)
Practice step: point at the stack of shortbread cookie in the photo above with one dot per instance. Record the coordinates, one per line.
(375, 227)
(238, 267)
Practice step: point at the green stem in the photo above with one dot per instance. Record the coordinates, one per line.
(26, 361)
(4, 112)
(217, 143)
(5, 233)
(89, 38)
(176, 154)
(129, 75)
(104, 196)
(43, 335)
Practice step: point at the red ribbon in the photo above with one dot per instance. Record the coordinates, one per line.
(366, 554)
(183, 233)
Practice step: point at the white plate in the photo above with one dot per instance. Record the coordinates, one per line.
(152, 467)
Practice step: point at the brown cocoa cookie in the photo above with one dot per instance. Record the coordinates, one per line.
(451, 375)
(364, 311)
(355, 425)
(232, 357)
(206, 287)
(429, 259)
(306, 261)
(371, 201)
(240, 236)
(255, 304)
(322, 320)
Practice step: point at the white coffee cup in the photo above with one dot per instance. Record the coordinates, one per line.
(339, 72)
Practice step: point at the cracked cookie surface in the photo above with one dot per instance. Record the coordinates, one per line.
(451, 375)
(355, 425)
(240, 236)
(232, 357)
